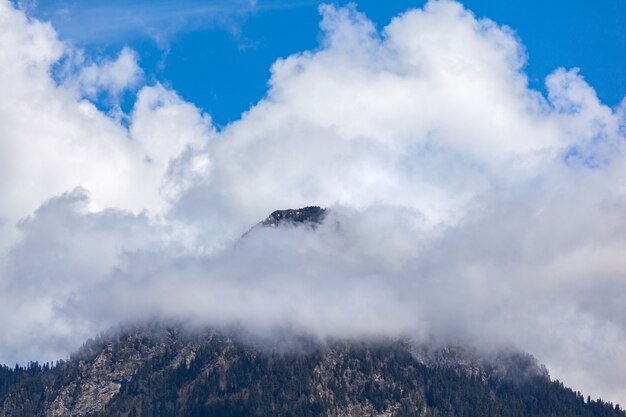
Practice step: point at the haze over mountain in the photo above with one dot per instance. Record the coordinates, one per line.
(463, 206)
(154, 369)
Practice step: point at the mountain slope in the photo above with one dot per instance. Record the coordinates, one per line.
(155, 371)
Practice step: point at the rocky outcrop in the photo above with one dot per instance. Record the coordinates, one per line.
(311, 215)
(100, 378)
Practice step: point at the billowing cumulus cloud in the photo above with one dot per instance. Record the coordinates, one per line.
(465, 207)
(52, 140)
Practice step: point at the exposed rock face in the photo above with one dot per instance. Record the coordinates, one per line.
(310, 217)
(101, 377)
(307, 215)
(85, 384)
(164, 372)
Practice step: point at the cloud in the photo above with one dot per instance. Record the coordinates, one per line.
(465, 206)
(109, 76)
(54, 140)
(64, 250)
(123, 21)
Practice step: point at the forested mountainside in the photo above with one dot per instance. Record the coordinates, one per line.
(152, 371)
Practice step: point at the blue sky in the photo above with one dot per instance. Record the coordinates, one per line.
(217, 54)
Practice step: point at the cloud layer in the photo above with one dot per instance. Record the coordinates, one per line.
(465, 207)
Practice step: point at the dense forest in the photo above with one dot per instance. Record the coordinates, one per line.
(164, 372)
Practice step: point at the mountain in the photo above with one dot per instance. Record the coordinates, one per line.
(311, 215)
(168, 372)
(156, 370)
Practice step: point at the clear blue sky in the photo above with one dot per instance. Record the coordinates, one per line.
(217, 54)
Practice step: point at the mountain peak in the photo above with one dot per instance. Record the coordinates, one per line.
(305, 215)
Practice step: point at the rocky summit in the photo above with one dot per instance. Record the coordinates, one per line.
(310, 217)
(152, 371)
(307, 215)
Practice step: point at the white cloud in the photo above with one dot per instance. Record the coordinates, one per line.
(52, 140)
(109, 76)
(64, 250)
(105, 22)
(373, 118)
(465, 206)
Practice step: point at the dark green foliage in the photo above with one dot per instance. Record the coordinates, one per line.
(32, 386)
(456, 395)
